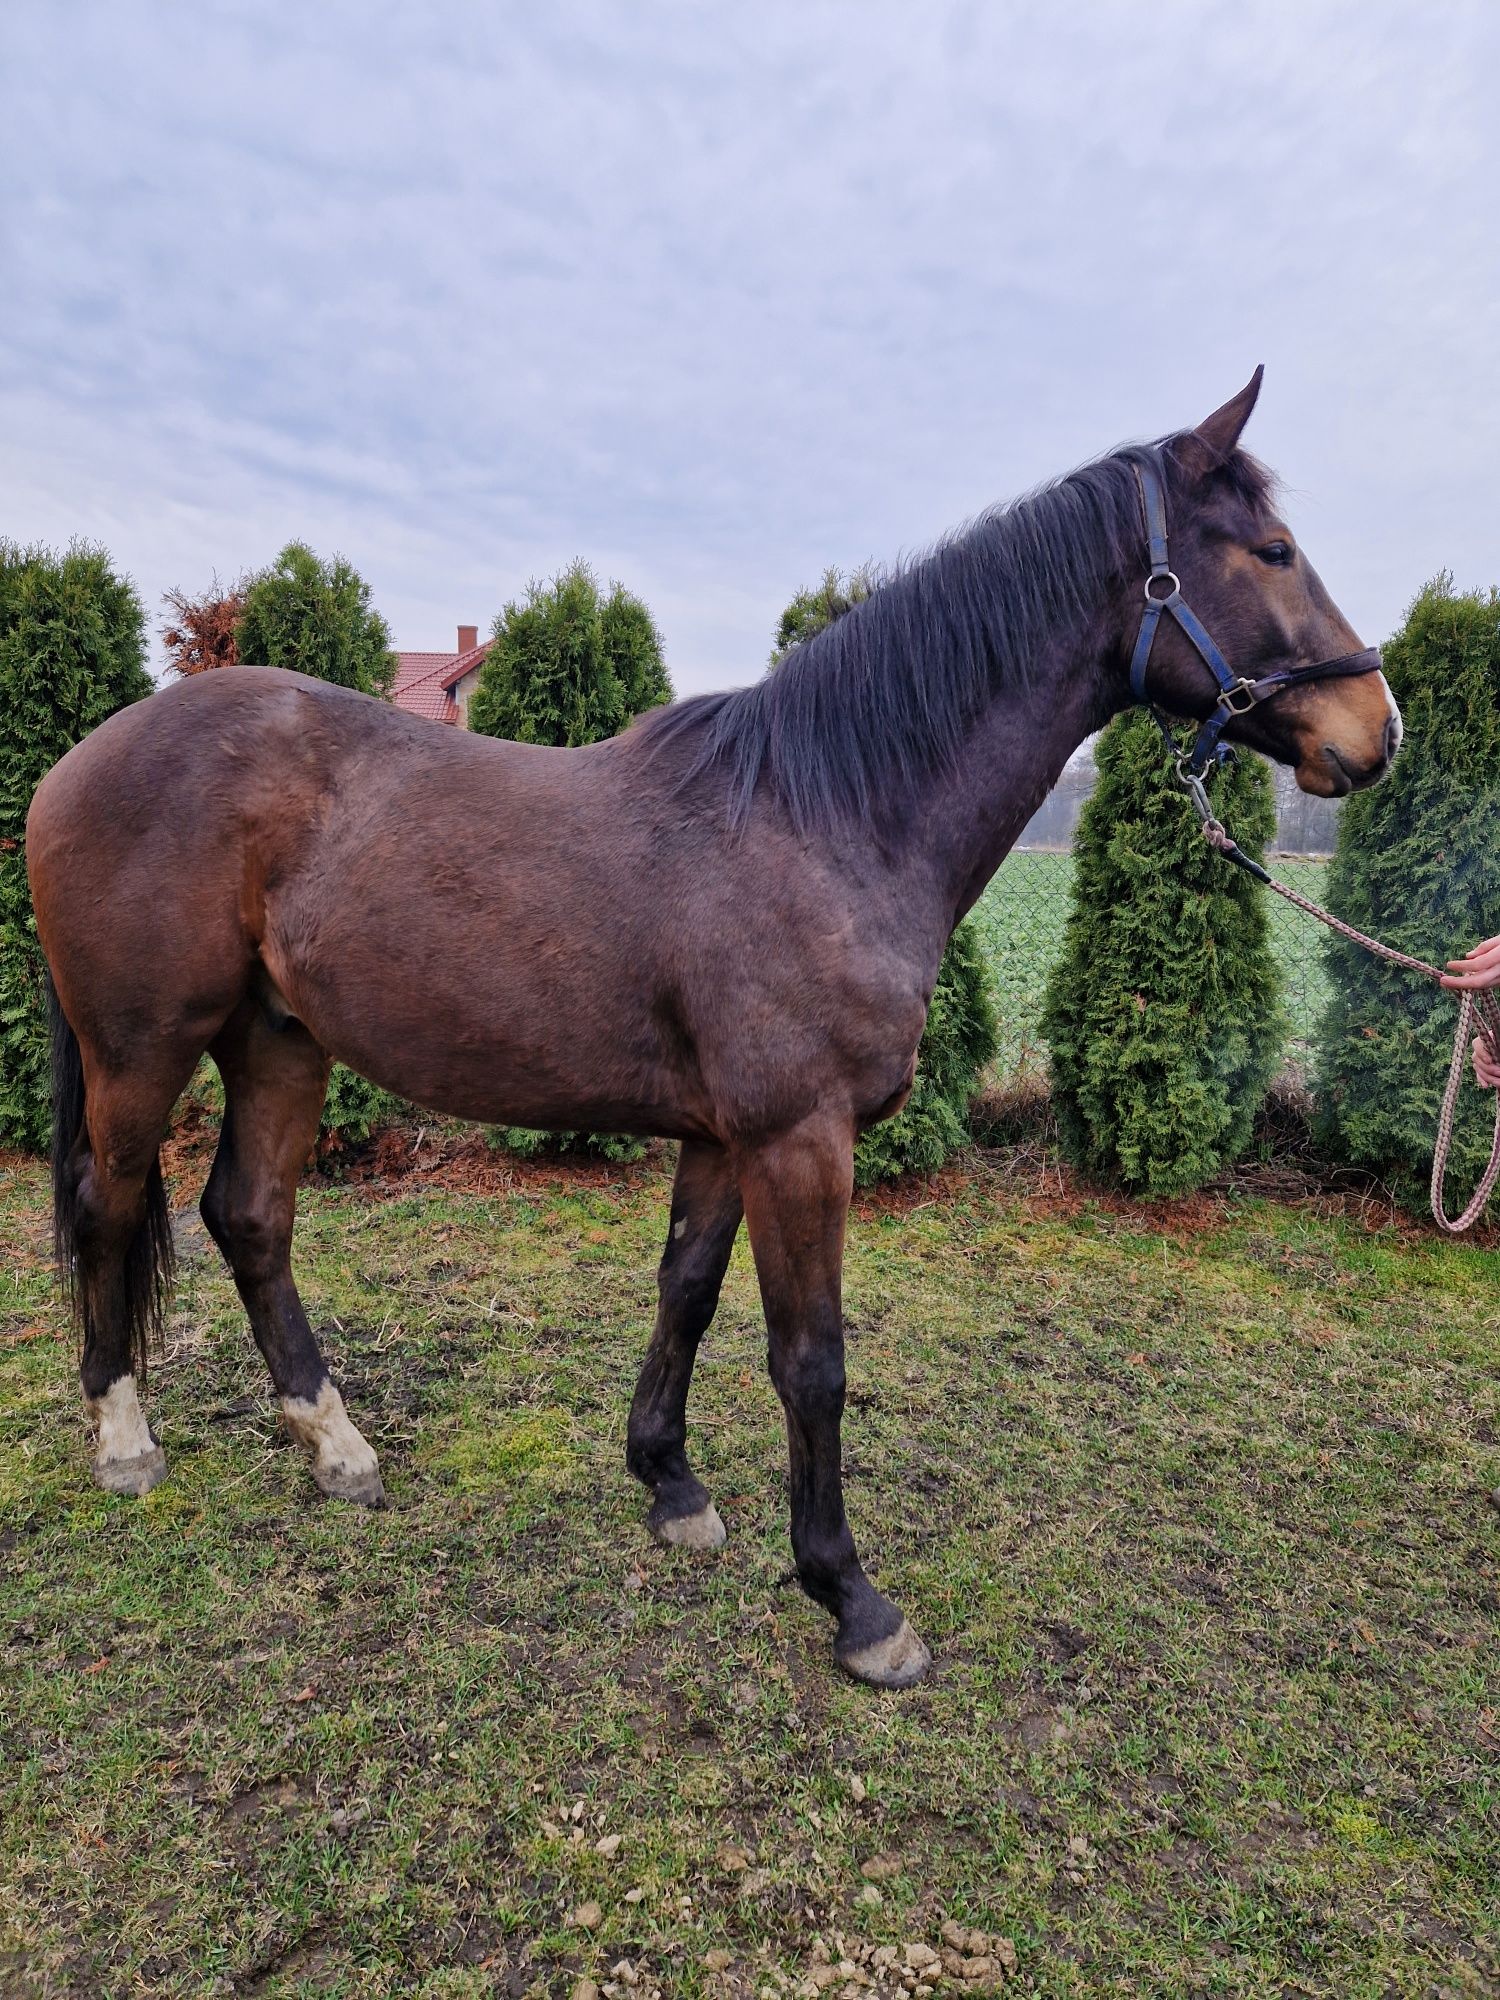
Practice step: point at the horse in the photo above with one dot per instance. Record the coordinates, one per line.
(721, 927)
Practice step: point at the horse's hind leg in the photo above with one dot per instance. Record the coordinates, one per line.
(274, 1084)
(705, 1219)
(116, 1235)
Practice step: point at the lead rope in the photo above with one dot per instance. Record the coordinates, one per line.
(1484, 1006)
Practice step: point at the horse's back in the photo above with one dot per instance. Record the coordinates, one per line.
(457, 917)
(244, 753)
(154, 843)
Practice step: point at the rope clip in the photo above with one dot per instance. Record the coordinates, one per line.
(1192, 783)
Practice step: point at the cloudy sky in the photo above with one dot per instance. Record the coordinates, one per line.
(715, 296)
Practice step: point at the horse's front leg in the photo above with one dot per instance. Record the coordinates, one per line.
(706, 1215)
(796, 1192)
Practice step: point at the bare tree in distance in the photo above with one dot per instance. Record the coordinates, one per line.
(199, 634)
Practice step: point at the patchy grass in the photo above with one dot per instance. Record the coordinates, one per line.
(1194, 1512)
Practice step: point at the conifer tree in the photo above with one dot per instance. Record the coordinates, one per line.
(810, 610)
(960, 1037)
(72, 651)
(1418, 865)
(633, 651)
(315, 617)
(1163, 1011)
(957, 1044)
(568, 666)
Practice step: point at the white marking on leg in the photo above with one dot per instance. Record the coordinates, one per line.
(120, 1422)
(679, 1230)
(343, 1463)
(128, 1458)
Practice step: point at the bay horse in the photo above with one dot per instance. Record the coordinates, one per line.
(722, 926)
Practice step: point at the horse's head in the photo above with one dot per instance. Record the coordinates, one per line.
(1249, 583)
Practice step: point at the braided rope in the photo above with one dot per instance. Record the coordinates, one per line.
(1484, 1005)
(1488, 1010)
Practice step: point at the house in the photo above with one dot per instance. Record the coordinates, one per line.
(438, 685)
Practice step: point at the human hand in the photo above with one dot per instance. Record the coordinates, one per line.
(1486, 1065)
(1480, 968)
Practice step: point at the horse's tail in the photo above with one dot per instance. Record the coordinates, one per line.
(140, 1289)
(67, 1129)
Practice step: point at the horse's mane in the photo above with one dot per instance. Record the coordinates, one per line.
(863, 714)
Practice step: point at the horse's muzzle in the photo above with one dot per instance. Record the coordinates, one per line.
(1357, 776)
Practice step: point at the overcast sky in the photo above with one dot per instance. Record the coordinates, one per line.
(715, 296)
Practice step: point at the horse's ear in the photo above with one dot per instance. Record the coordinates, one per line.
(1216, 437)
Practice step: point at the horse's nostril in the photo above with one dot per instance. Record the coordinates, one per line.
(1392, 737)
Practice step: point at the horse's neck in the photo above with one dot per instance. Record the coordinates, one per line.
(1012, 757)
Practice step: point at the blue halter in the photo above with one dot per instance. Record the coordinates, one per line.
(1237, 694)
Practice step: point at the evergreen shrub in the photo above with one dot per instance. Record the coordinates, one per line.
(72, 651)
(569, 666)
(959, 1040)
(810, 610)
(1418, 866)
(1163, 1010)
(315, 617)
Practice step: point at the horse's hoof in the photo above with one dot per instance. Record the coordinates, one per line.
(703, 1530)
(341, 1482)
(134, 1476)
(343, 1464)
(897, 1662)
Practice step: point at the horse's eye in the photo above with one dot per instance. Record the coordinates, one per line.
(1277, 554)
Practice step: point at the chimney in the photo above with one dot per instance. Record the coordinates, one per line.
(468, 638)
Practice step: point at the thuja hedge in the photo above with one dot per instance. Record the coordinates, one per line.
(569, 665)
(314, 615)
(1418, 864)
(959, 1040)
(1163, 1011)
(72, 651)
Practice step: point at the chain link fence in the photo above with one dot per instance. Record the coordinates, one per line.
(1022, 913)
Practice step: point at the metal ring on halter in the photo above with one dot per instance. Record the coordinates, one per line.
(1163, 576)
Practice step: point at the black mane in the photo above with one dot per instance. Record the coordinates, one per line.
(868, 710)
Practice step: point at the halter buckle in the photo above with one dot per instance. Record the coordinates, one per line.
(1239, 698)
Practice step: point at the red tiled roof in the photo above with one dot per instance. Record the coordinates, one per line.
(423, 681)
(460, 664)
(420, 687)
(417, 666)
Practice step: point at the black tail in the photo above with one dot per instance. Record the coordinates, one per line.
(137, 1293)
(67, 1135)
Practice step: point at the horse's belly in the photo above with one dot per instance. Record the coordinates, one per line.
(543, 1047)
(502, 1085)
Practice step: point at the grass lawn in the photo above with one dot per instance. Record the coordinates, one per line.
(1021, 916)
(1194, 1512)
